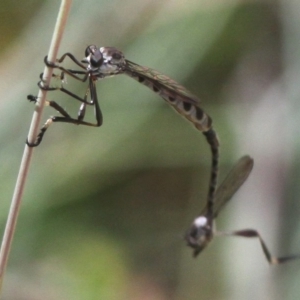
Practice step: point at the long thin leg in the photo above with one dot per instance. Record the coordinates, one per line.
(66, 117)
(53, 104)
(72, 57)
(70, 72)
(61, 76)
(62, 89)
(252, 233)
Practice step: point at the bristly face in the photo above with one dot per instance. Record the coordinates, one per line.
(104, 61)
(199, 234)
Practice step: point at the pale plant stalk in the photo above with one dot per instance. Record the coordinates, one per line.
(34, 127)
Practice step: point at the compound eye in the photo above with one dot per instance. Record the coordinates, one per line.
(87, 51)
(91, 49)
(96, 59)
(93, 56)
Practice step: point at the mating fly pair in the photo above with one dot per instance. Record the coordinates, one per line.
(103, 62)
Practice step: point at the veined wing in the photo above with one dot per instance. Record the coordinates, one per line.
(160, 82)
(234, 180)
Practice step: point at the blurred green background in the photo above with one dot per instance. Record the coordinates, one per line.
(105, 209)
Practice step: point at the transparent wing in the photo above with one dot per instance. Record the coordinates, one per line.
(161, 82)
(234, 180)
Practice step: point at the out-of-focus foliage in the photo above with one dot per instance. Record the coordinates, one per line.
(105, 209)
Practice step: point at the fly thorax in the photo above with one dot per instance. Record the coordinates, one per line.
(113, 62)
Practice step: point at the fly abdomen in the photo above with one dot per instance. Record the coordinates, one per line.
(193, 113)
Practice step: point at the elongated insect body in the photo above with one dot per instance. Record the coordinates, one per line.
(113, 62)
(103, 62)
